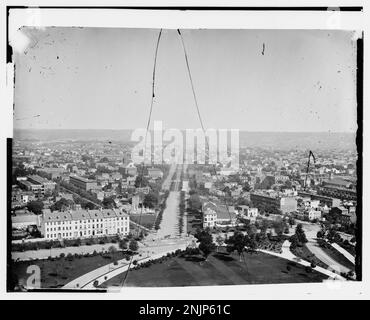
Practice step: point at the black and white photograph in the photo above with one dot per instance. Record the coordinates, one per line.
(173, 157)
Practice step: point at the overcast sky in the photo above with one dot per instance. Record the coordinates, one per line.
(91, 78)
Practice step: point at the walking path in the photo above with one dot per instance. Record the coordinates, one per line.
(311, 230)
(287, 254)
(149, 251)
(344, 252)
(315, 248)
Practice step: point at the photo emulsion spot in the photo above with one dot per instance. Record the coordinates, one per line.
(184, 157)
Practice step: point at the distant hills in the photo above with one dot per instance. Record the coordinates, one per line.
(278, 140)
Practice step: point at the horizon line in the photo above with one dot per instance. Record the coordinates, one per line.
(128, 129)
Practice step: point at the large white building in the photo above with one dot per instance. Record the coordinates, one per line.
(215, 214)
(84, 223)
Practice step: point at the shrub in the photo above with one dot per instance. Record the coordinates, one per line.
(313, 265)
(62, 255)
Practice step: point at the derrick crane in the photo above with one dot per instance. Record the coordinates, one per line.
(308, 167)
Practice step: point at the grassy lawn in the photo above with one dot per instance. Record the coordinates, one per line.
(305, 254)
(146, 220)
(336, 255)
(58, 272)
(220, 269)
(350, 248)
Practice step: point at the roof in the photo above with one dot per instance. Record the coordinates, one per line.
(121, 214)
(222, 211)
(108, 213)
(56, 216)
(37, 179)
(80, 215)
(96, 214)
(338, 182)
(26, 183)
(81, 179)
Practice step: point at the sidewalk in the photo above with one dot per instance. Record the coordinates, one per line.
(105, 273)
(288, 255)
(109, 271)
(344, 252)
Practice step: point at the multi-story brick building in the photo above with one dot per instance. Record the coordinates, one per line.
(285, 204)
(82, 183)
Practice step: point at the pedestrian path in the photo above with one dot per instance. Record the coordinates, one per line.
(288, 255)
(344, 252)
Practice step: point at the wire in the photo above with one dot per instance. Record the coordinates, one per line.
(144, 151)
(198, 111)
(191, 80)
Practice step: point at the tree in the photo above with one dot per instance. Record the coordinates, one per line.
(35, 206)
(123, 244)
(194, 203)
(299, 238)
(288, 184)
(61, 205)
(88, 205)
(85, 158)
(320, 234)
(206, 245)
(291, 221)
(219, 241)
(112, 250)
(109, 203)
(141, 181)
(150, 200)
(246, 187)
(237, 242)
(133, 245)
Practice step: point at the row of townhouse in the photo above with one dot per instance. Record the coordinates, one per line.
(84, 223)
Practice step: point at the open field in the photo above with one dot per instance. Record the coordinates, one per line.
(220, 269)
(58, 272)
